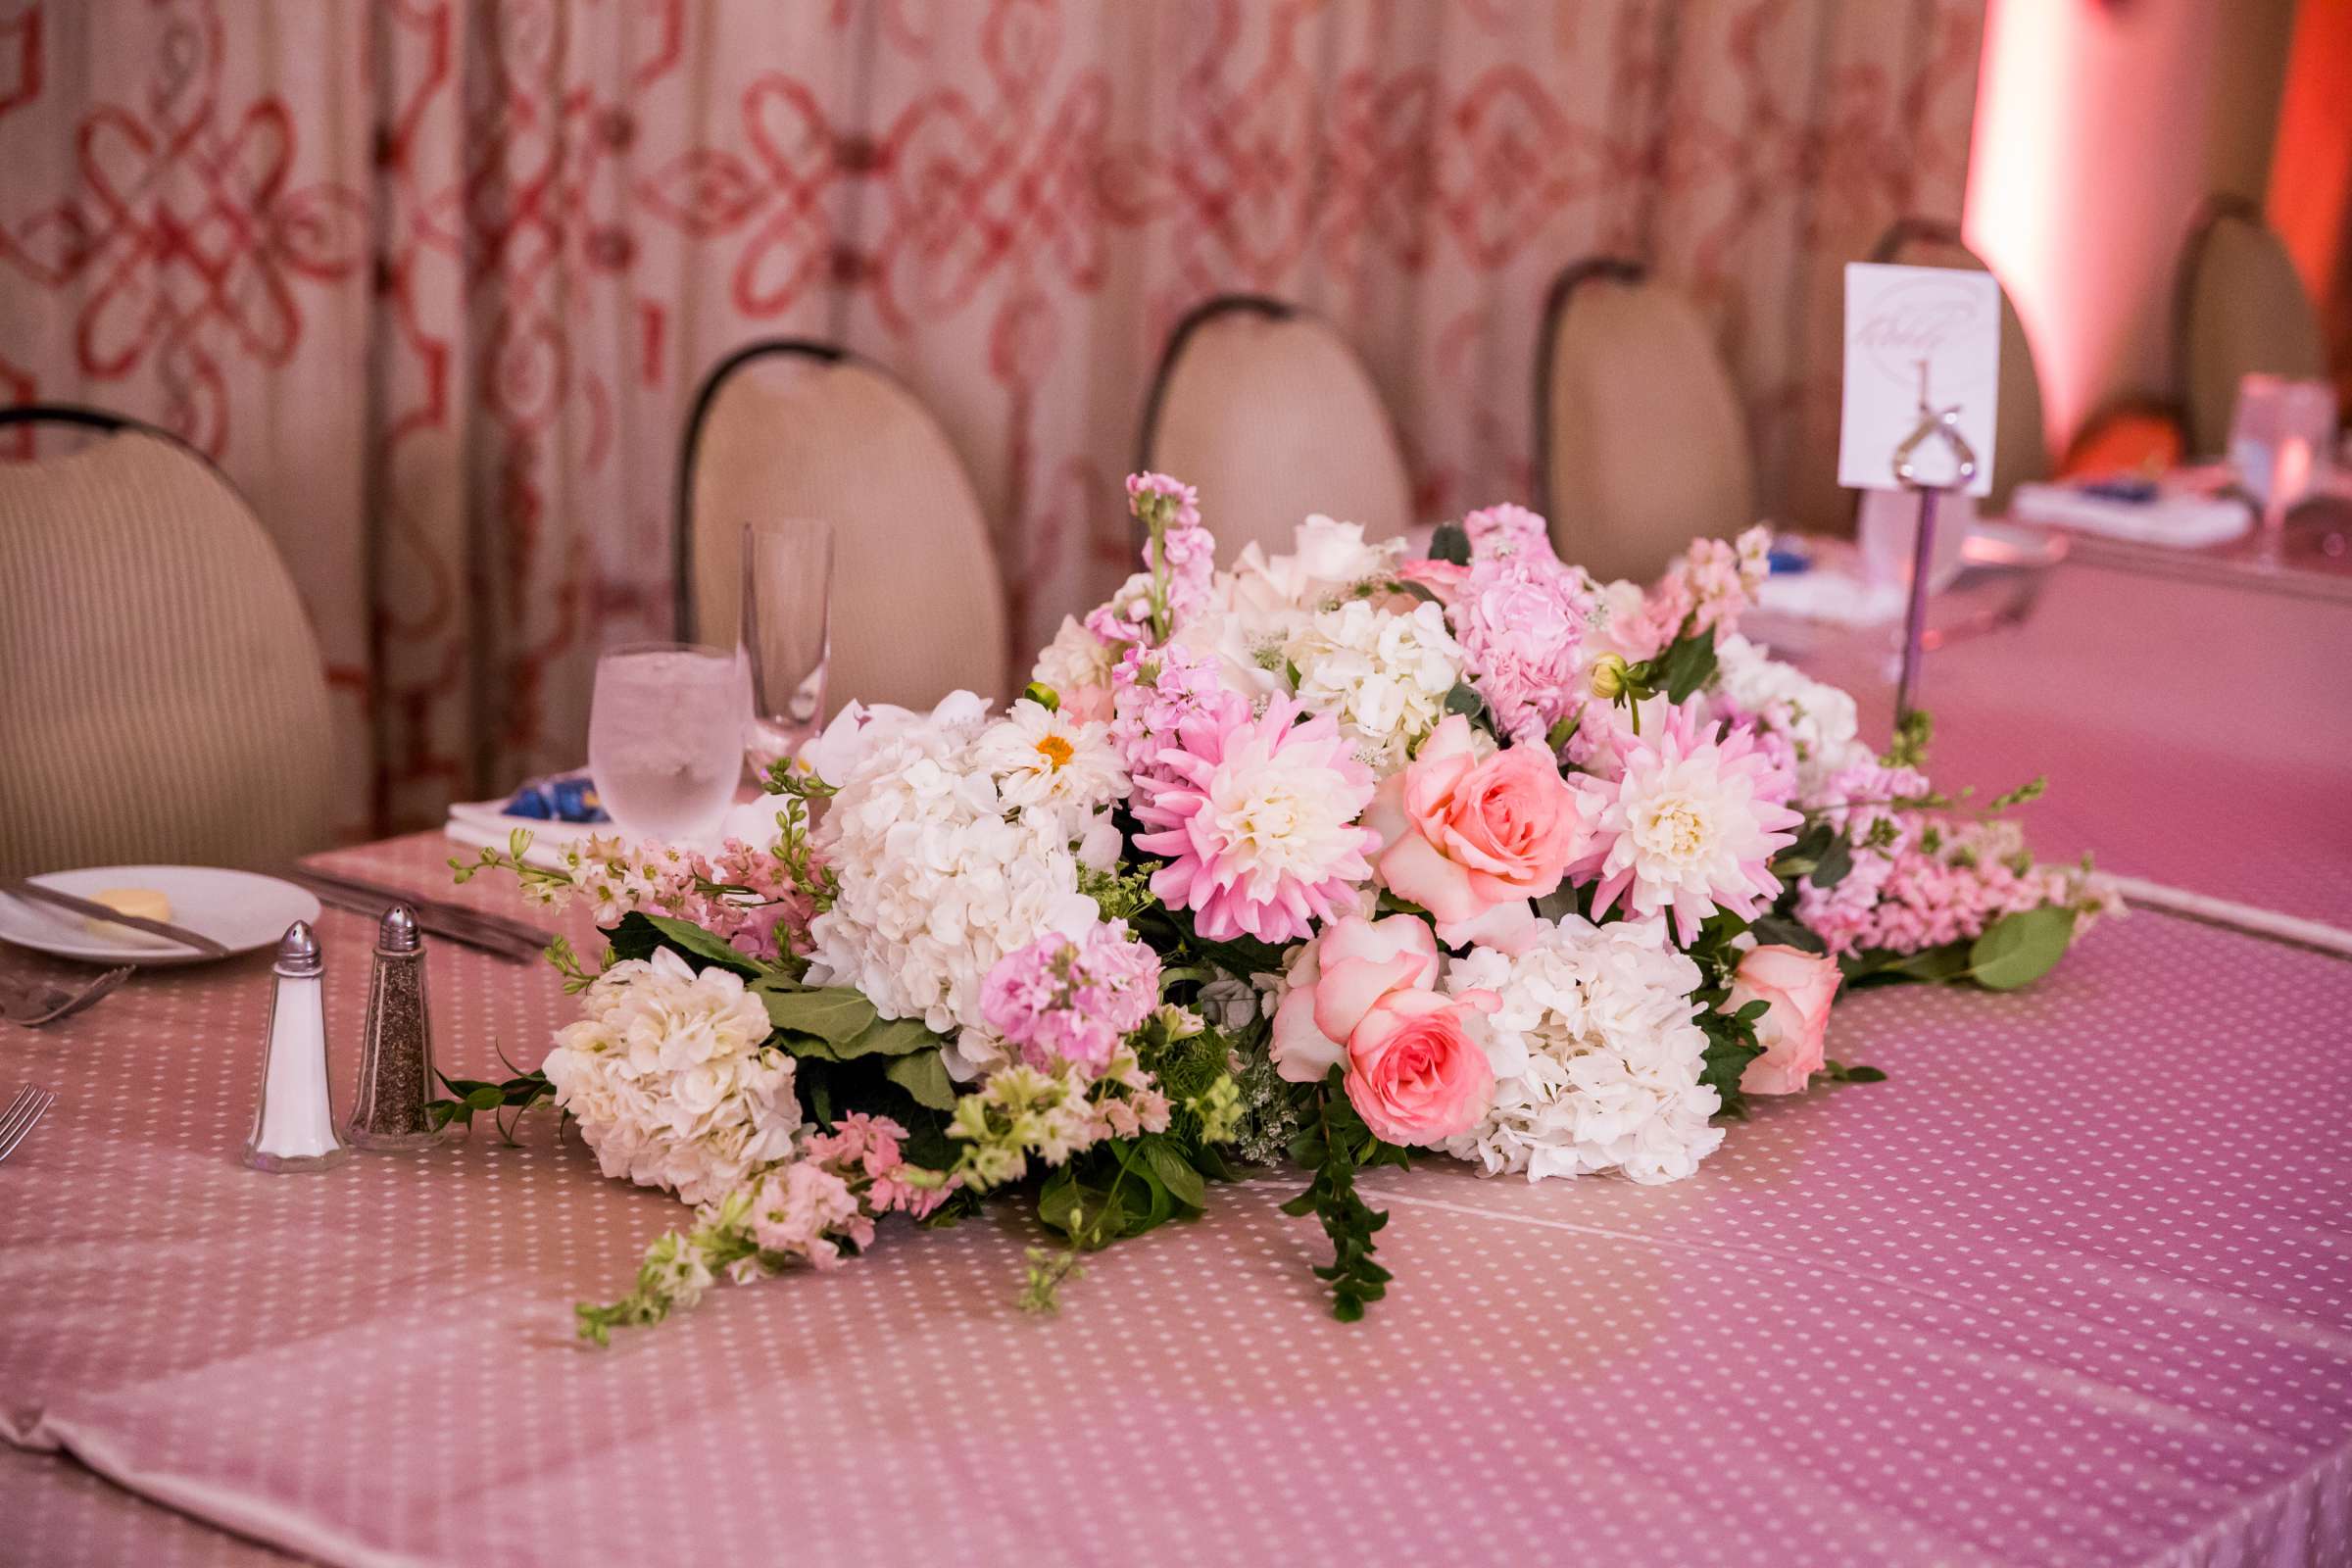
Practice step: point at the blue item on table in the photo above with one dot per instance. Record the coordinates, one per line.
(1783, 559)
(2135, 490)
(562, 800)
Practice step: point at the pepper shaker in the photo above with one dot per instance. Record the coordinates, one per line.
(396, 1058)
(294, 1123)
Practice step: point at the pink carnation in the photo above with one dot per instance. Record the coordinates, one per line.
(1519, 616)
(1257, 819)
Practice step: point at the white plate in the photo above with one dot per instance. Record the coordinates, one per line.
(238, 909)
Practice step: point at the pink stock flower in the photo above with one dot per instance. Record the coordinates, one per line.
(1154, 692)
(1708, 587)
(1414, 1073)
(1257, 819)
(1075, 1002)
(1796, 988)
(1335, 982)
(1689, 826)
(1460, 836)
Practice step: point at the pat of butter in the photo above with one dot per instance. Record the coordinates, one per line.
(144, 903)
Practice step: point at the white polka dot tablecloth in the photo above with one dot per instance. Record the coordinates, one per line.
(2073, 1286)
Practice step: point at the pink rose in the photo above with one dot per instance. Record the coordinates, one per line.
(1414, 1074)
(1460, 836)
(1796, 988)
(1337, 980)
(1442, 578)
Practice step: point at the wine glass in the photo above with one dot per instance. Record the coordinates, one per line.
(665, 737)
(2279, 434)
(787, 634)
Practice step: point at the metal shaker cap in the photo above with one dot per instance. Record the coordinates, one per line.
(298, 953)
(397, 932)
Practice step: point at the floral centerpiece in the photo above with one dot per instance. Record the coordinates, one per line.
(1337, 857)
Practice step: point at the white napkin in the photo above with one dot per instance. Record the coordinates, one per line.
(2179, 519)
(485, 824)
(1827, 594)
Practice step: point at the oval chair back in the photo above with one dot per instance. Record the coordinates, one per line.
(792, 429)
(161, 693)
(1269, 411)
(2021, 448)
(2239, 306)
(1641, 443)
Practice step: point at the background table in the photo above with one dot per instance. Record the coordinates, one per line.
(2195, 733)
(2073, 1286)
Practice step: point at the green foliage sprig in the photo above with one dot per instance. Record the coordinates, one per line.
(1337, 1145)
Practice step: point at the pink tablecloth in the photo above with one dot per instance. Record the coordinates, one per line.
(2196, 733)
(2074, 1286)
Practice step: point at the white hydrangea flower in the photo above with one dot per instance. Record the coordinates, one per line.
(1384, 675)
(670, 1077)
(941, 876)
(1818, 720)
(1042, 758)
(1597, 1059)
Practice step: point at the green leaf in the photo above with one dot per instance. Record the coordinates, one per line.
(1687, 665)
(2019, 949)
(1865, 1075)
(924, 1075)
(1449, 544)
(835, 1014)
(1176, 1173)
(1465, 701)
(1562, 731)
(1835, 863)
(638, 934)
(1779, 931)
(1044, 697)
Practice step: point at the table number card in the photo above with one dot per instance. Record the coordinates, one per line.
(1904, 324)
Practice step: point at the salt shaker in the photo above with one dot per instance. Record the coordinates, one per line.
(396, 1058)
(294, 1125)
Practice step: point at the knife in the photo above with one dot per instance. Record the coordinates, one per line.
(193, 940)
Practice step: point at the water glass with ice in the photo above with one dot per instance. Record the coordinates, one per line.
(665, 737)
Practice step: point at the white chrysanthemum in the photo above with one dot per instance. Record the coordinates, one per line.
(1384, 675)
(1818, 720)
(1597, 1059)
(939, 877)
(670, 1077)
(1076, 659)
(1042, 758)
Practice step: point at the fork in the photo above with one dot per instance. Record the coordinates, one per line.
(30, 1105)
(34, 1003)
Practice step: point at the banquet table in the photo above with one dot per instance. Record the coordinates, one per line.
(2073, 1286)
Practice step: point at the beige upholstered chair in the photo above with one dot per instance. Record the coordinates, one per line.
(161, 697)
(1268, 411)
(1642, 447)
(2020, 446)
(794, 429)
(2239, 307)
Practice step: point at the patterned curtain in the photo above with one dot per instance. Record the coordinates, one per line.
(435, 281)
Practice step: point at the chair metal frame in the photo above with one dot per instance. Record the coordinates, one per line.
(1180, 337)
(1563, 293)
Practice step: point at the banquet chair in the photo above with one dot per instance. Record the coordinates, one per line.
(788, 428)
(1641, 446)
(1267, 411)
(2021, 452)
(161, 693)
(2238, 307)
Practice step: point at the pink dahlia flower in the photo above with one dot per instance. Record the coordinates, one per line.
(1257, 819)
(1689, 826)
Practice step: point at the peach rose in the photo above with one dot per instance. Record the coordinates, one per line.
(1460, 836)
(1796, 988)
(1335, 982)
(1414, 1074)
